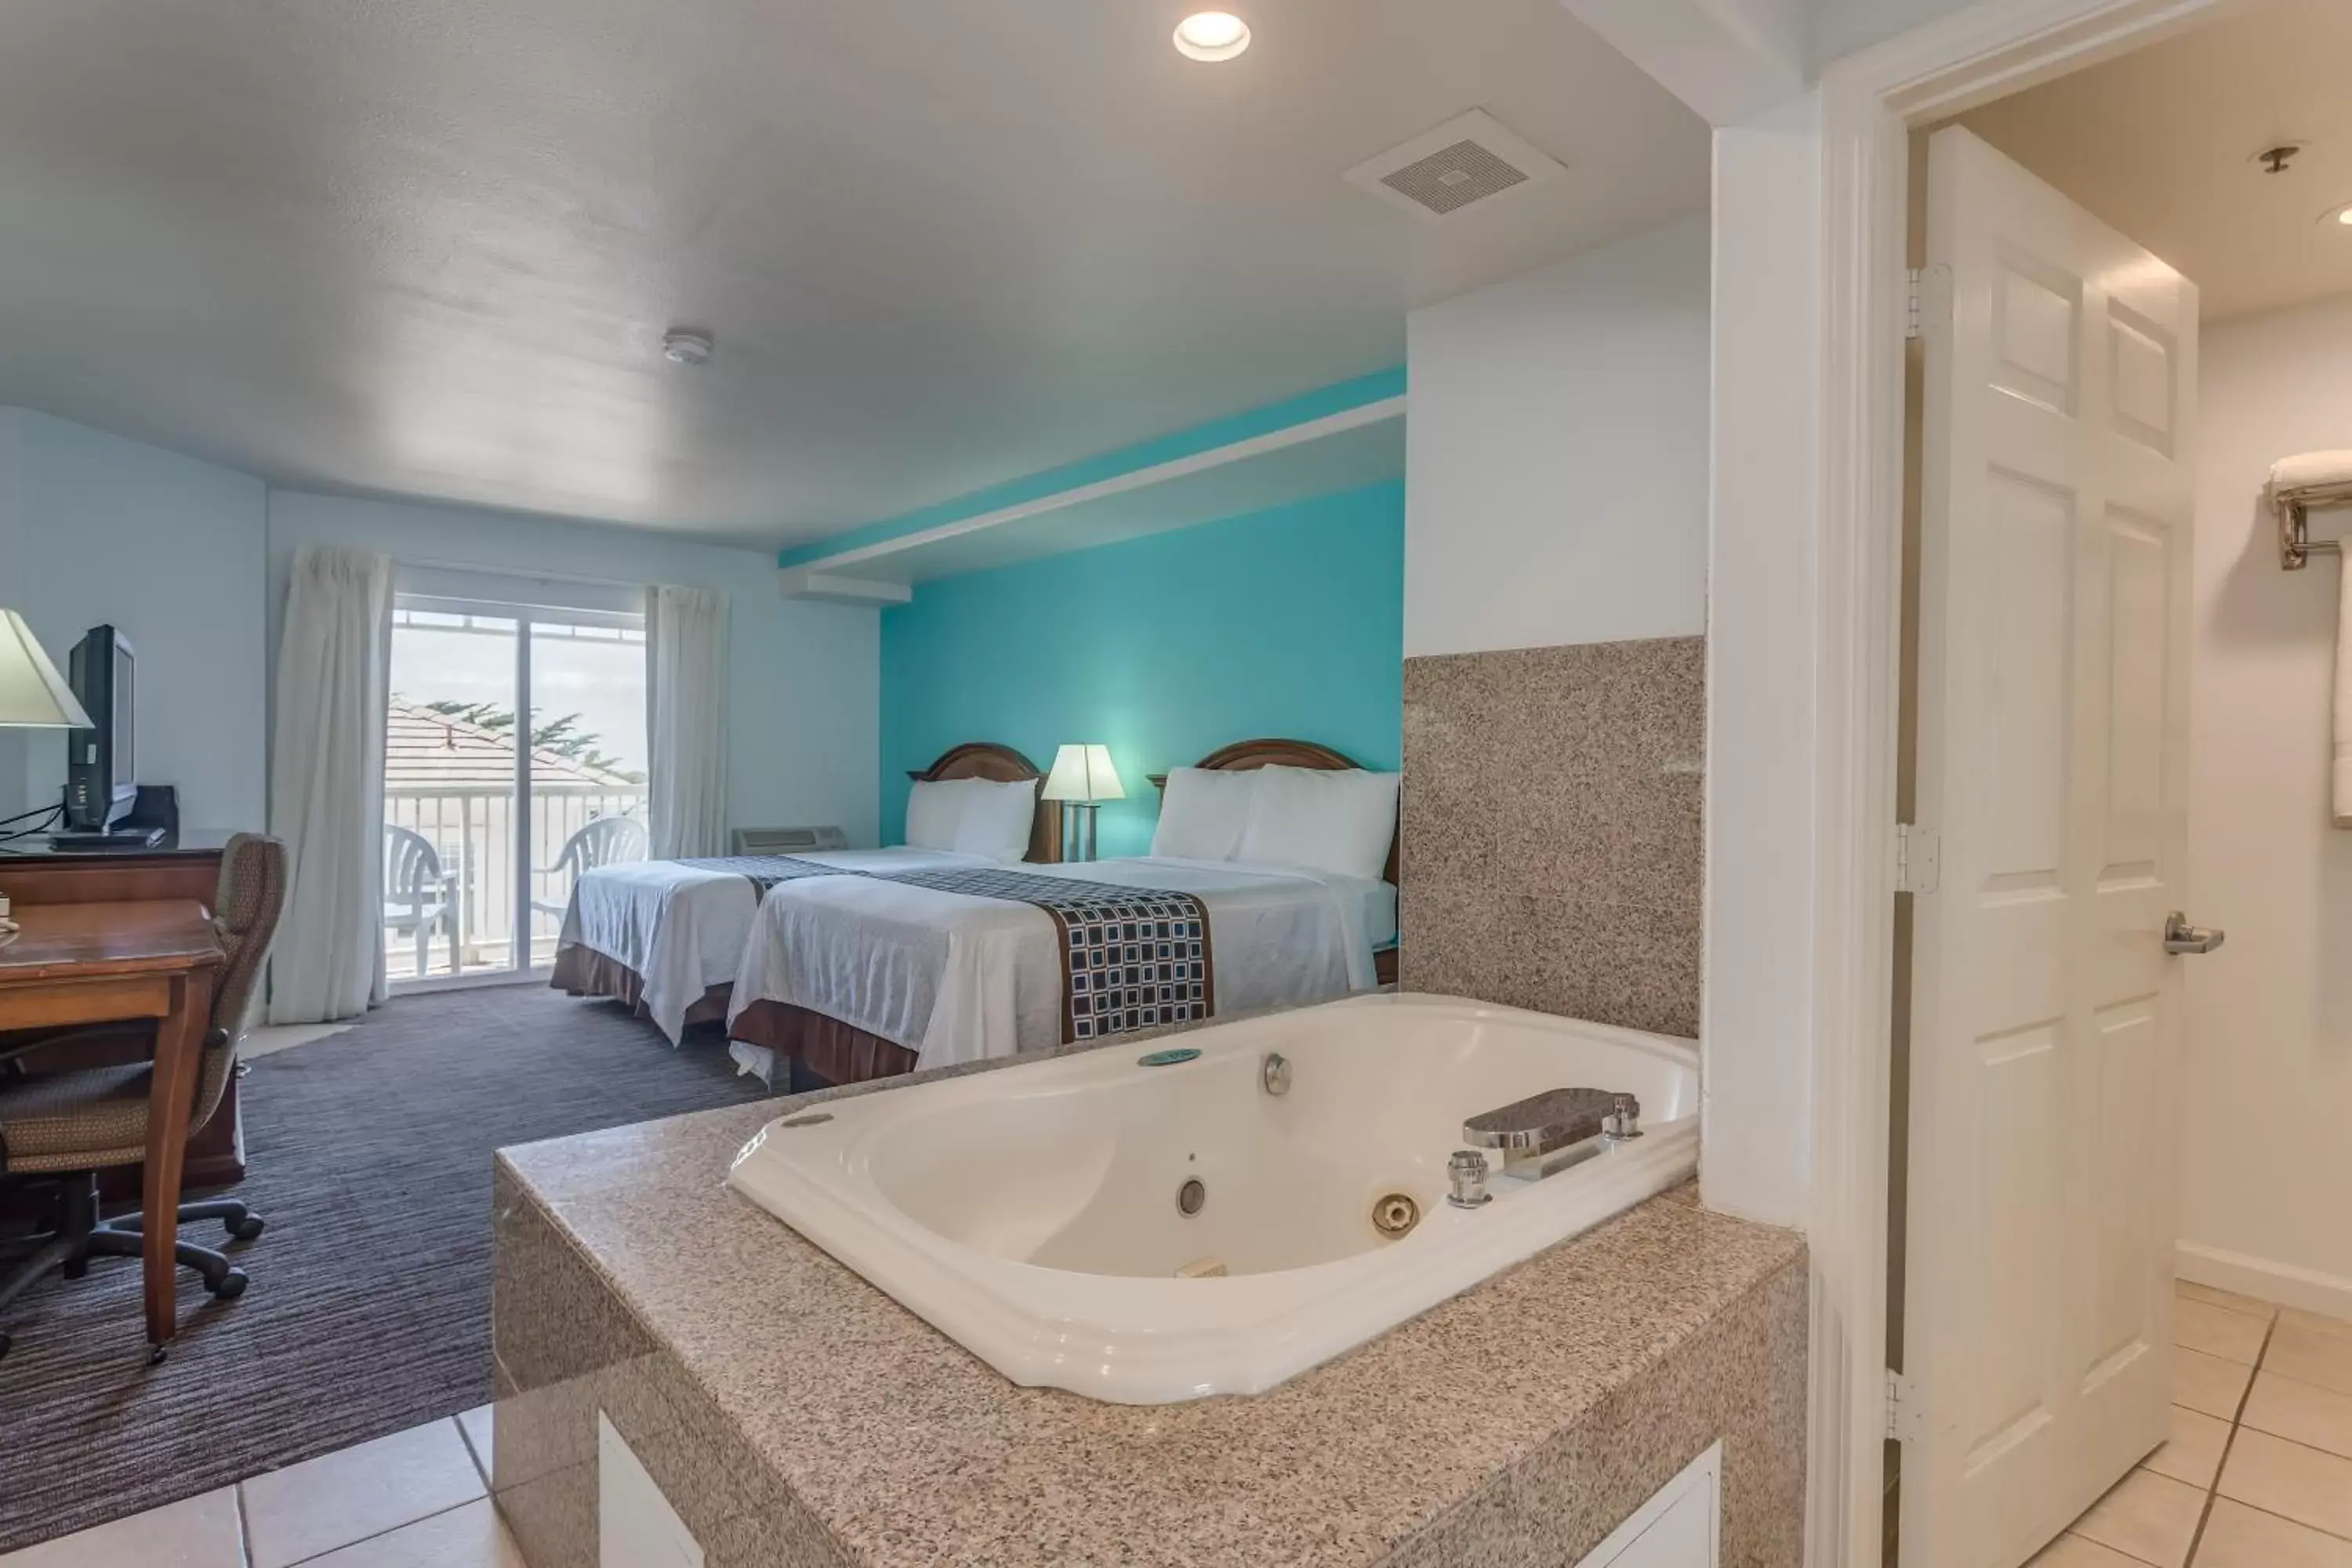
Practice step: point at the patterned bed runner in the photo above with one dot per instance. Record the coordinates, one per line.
(764, 871)
(1132, 958)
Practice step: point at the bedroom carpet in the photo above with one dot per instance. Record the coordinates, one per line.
(370, 1307)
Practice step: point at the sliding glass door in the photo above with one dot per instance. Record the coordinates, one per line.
(587, 789)
(514, 760)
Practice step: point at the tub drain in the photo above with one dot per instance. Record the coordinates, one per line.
(1394, 1215)
(1191, 1197)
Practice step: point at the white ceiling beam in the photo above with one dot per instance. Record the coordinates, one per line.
(1335, 452)
(1727, 59)
(800, 582)
(1233, 452)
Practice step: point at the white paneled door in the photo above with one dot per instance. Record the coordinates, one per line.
(2053, 641)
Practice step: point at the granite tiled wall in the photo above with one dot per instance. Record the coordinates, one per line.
(1553, 856)
(565, 1350)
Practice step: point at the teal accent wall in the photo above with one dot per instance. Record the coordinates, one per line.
(1321, 404)
(1287, 622)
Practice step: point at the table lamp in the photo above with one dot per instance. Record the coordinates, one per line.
(1081, 779)
(33, 696)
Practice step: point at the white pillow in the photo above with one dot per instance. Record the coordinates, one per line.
(998, 819)
(1203, 813)
(971, 817)
(1339, 820)
(934, 808)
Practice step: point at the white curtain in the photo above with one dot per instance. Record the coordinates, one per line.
(2340, 776)
(326, 784)
(685, 707)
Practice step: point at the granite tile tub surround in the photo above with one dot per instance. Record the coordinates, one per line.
(793, 1415)
(1553, 852)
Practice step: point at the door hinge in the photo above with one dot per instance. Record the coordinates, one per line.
(1904, 1420)
(1919, 859)
(1930, 302)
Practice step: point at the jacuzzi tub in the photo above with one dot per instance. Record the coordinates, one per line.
(1032, 1213)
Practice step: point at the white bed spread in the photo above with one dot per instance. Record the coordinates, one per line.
(956, 979)
(682, 928)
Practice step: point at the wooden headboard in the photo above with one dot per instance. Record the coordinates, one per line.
(1277, 753)
(1002, 764)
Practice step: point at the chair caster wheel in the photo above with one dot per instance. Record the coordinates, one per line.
(232, 1285)
(249, 1229)
(155, 1354)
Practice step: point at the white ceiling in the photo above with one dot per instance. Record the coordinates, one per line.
(2160, 143)
(429, 246)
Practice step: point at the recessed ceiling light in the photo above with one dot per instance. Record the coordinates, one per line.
(2343, 216)
(685, 345)
(1212, 36)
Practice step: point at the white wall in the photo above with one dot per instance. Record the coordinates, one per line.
(1840, 27)
(1725, 60)
(190, 561)
(169, 551)
(803, 709)
(1757, 979)
(2267, 1101)
(1555, 472)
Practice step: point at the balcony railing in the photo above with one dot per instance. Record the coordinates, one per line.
(472, 833)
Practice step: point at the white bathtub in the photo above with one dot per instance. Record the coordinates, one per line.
(1031, 1213)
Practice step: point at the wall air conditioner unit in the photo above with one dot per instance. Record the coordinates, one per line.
(788, 840)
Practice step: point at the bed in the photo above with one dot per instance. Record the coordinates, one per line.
(863, 978)
(666, 937)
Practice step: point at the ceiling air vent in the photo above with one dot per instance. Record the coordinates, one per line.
(1468, 160)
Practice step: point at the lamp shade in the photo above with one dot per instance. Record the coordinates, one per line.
(33, 695)
(1083, 773)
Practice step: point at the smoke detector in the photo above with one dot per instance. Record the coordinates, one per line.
(2275, 156)
(1464, 162)
(685, 345)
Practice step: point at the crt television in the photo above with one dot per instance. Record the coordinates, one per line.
(102, 764)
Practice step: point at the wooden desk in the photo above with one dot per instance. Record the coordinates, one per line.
(186, 867)
(98, 963)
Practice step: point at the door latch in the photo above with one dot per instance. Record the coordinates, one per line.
(2180, 936)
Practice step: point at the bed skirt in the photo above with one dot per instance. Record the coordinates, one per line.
(837, 1052)
(582, 971)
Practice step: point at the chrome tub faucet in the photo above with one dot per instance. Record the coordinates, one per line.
(1549, 1132)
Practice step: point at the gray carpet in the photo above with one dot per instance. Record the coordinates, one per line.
(370, 1307)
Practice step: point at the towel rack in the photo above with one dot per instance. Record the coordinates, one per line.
(2295, 544)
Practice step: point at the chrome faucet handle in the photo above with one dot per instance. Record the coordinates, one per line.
(1274, 1073)
(1625, 1118)
(1467, 1170)
(1530, 1128)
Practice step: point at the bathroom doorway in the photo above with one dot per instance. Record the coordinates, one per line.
(2119, 697)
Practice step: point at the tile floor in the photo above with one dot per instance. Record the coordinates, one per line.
(417, 1497)
(2257, 1473)
(2258, 1470)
